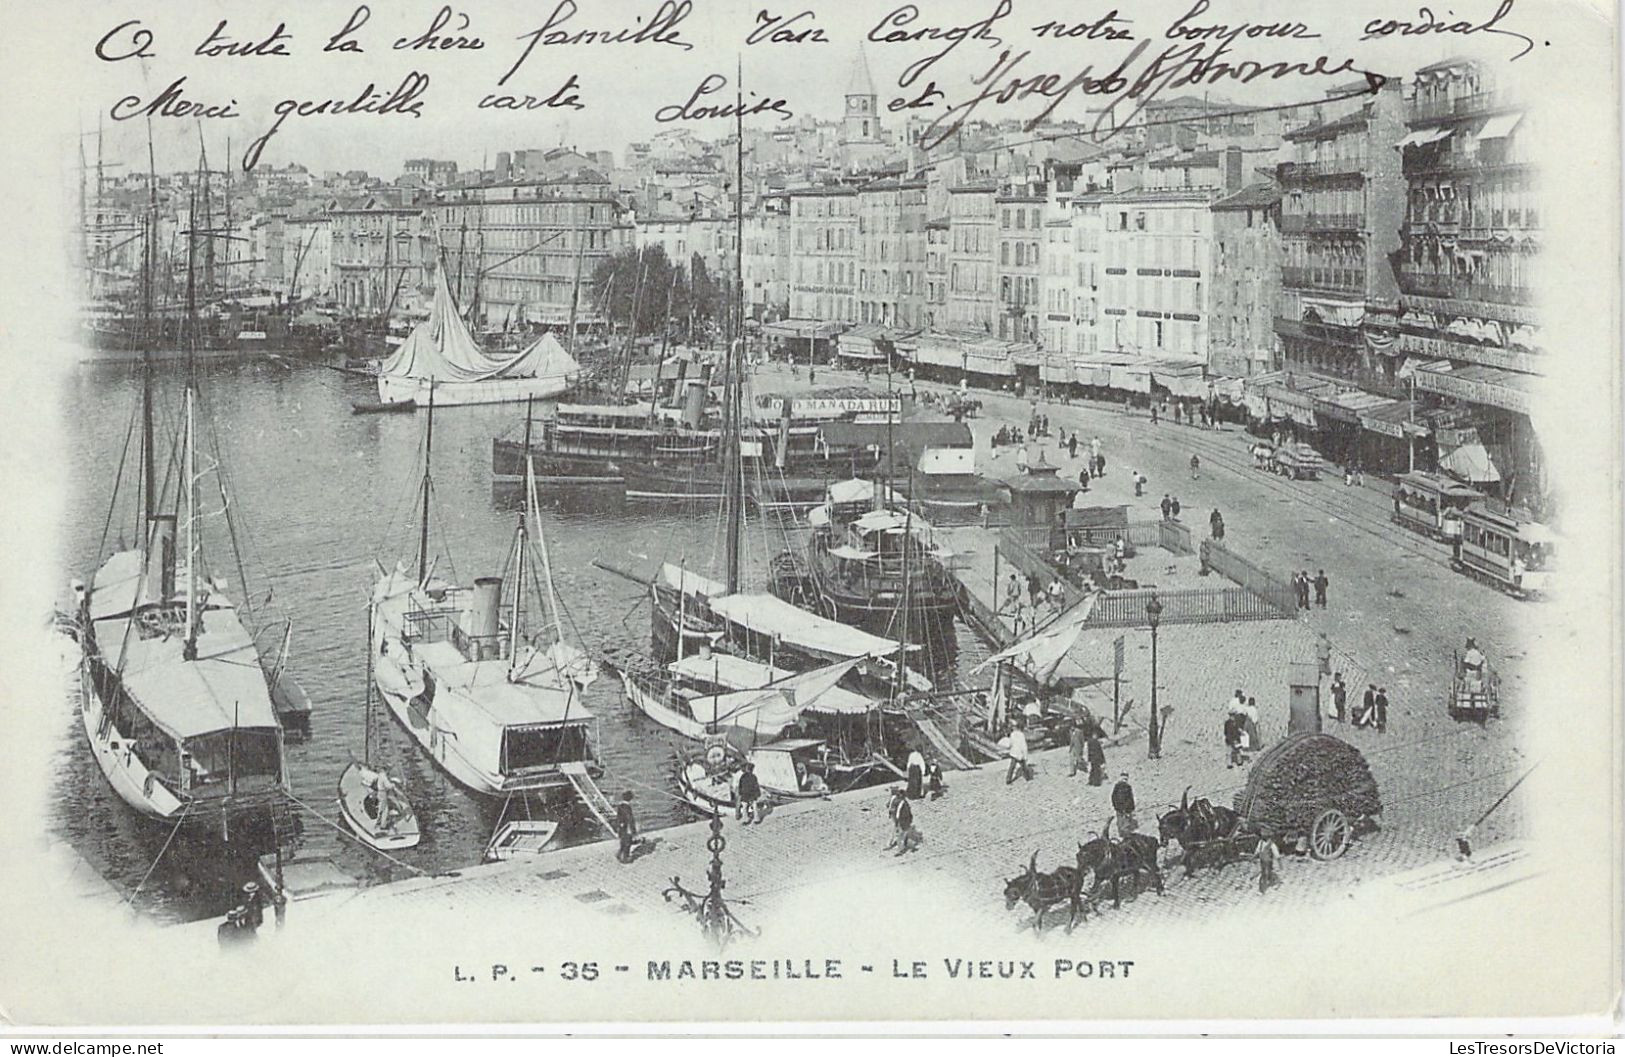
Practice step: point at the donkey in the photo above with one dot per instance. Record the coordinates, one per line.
(1041, 891)
(1112, 860)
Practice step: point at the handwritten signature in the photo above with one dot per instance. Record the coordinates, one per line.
(1130, 85)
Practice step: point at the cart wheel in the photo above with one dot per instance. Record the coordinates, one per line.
(1329, 836)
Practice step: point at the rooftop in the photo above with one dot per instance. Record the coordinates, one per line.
(1255, 196)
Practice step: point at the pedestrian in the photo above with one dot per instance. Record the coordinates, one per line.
(1215, 522)
(1196, 464)
(1321, 583)
(1340, 697)
(1057, 594)
(1380, 706)
(1232, 738)
(1097, 755)
(253, 906)
(1094, 447)
(626, 827)
(1100, 466)
(1012, 594)
(916, 775)
(1300, 584)
(935, 785)
(812, 373)
(750, 794)
(1175, 507)
(1083, 479)
(905, 838)
(1123, 806)
(1368, 707)
(1018, 755)
(1268, 855)
(1153, 414)
(1167, 507)
(233, 932)
(1021, 459)
(1176, 412)
(1077, 744)
(1035, 591)
(1072, 446)
(1139, 483)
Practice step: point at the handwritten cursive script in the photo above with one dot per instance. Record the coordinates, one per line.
(1427, 23)
(660, 29)
(405, 98)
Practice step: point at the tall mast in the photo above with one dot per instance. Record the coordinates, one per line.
(189, 647)
(423, 527)
(150, 483)
(519, 546)
(575, 296)
(731, 418)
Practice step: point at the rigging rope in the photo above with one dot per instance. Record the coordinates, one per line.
(352, 836)
(167, 841)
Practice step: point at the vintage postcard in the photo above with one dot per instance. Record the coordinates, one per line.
(683, 510)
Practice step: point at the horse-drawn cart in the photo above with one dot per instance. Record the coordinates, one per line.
(1311, 793)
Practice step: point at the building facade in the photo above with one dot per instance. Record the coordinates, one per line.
(973, 257)
(891, 252)
(1468, 331)
(1021, 234)
(1246, 282)
(1342, 204)
(1155, 289)
(527, 251)
(383, 258)
(823, 239)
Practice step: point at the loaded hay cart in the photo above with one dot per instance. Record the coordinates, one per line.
(1312, 793)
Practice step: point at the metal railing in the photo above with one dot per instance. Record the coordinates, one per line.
(1433, 285)
(1460, 106)
(1271, 590)
(1185, 605)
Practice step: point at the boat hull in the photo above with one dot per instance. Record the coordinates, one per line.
(352, 807)
(392, 390)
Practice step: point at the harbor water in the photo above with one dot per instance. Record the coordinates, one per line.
(320, 495)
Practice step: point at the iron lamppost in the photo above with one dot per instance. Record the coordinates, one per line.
(1153, 613)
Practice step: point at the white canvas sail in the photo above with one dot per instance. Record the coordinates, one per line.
(1041, 654)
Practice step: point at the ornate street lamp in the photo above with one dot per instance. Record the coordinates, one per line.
(1153, 613)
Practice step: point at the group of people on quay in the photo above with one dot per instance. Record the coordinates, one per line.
(1370, 713)
(1303, 583)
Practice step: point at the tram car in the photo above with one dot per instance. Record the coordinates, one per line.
(1432, 504)
(1516, 556)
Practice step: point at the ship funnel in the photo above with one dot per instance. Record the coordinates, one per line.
(485, 619)
(160, 558)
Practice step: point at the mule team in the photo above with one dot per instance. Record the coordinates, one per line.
(1205, 832)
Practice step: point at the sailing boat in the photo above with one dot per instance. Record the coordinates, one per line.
(441, 354)
(176, 703)
(498, 713)
(366, 801)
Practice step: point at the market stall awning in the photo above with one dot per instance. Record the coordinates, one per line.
(1471, 462)
(1477, 384)
(1394, 418)
(1425, 136)
(807, 329)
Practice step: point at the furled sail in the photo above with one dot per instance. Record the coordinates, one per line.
(441, 348)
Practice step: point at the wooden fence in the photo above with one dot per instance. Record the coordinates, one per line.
(1232, 566)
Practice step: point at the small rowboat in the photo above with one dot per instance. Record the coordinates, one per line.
(380, 407)
(358, 805)
(521, 839)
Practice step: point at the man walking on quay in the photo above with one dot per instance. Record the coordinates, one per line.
(750, 795)
(1175, 508)
(1368, 707)
(1123, 806)
(1018, 755)
(1077, 744)
(626, 827)
(1097, 755)
(905, 838)
(1380, 706)
(1321, 583)
(1340, 697)
(1196, 464)
(1215, 522)
(1072, 446)
(1167, 507)
(1267, 855)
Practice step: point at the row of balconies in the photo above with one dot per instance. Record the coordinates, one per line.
(1459, 288)
(1461, 106)
(1448, 214)
(1474, 163)
(1323, 167)
(1298, 223)
(1324, 278)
